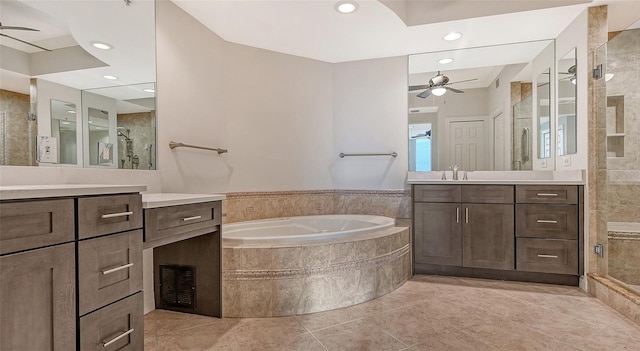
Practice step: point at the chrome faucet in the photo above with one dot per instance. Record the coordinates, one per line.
(454, 170)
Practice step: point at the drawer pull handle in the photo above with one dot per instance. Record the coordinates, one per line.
(547, 194)
(191, 218)
(107, 343)
(119, 268)
(547, 221)
(119, 214)
(547, 256)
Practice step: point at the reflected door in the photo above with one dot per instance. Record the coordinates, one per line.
(467, 145)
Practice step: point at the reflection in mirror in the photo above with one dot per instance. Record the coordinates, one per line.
(136, 123)
(543, 89)
(522, 110)
(567, 79)
(64, 129)
(98, 137)
(478, 105)
(67, 29)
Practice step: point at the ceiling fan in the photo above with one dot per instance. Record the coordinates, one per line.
(571, 72)
(2, 28)
(437, 86)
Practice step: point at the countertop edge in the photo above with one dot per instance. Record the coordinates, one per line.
(496, 182)
(172, 199)
(21, 192)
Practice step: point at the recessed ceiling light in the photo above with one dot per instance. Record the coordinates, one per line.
(149, 90)
(438, 91)
(110, 77)
(101, 46)
(453, 36)
(444, 61)
(71, 111)
(346, 6)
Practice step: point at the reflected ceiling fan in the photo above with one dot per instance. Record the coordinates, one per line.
(3, 28)
(571, 72)
(437, 86)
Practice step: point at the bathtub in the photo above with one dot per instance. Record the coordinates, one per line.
(299, 265)
(303, 229)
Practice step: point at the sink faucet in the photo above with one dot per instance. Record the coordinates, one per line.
(454, 168)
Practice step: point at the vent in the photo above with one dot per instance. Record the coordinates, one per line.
(178, 286)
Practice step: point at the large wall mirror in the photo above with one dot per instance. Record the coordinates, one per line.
(109, 66)
(474, 107)
(567, 90)
(543, 109)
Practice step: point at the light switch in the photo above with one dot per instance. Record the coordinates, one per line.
(566, 161)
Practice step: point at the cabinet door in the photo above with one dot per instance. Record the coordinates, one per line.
(437, 232)
(37, 299)
(488, 236)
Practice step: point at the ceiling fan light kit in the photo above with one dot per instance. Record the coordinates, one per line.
(437, 86)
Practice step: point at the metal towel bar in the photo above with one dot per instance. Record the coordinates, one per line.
(174, 144)
(392, 154)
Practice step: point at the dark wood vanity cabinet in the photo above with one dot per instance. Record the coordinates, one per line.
(519, 232)
(464, 225)
(71, 273)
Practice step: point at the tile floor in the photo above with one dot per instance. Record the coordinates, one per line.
(426, 313)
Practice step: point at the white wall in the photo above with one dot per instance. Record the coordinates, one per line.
(284, 119)
(575, 36)
(370, 116)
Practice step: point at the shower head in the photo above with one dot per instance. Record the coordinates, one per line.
(123, 135)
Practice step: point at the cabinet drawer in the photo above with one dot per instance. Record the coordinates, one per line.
(109, 268)
(38, 299)
(547, 221)
(108, 214)
(547, 256)
(33, 224)
(163, 222)
(487, 194)
(116, 327)
(436, 193)
(549, 194)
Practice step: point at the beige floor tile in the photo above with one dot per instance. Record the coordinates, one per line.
(357, 335)
(454, 340)
(427, 313)
(410, 325)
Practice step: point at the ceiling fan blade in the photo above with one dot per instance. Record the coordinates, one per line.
(462, 81)
(424, 94)
(25, 42)
(454, 90)
(19, 28)
(418, 87)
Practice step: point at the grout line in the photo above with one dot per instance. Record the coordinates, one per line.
(318, 340)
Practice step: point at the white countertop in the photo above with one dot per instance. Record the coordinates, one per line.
(493, 181)
(154, 200)
(15, 192)
(572, 177)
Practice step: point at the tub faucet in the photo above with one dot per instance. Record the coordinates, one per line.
(454, 170)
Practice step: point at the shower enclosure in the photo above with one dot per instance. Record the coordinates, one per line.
(618, 102)
(522, 112)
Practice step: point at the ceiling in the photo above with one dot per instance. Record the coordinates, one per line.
(306, 28)
(314, 29)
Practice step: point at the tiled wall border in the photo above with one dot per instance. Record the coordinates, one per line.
(246, 206)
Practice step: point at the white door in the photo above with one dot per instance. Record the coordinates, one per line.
(467, 145)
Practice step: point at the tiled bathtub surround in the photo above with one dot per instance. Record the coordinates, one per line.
(266, 281)
(246, 206)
